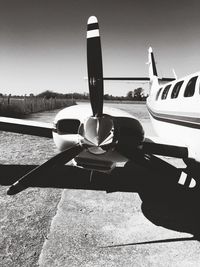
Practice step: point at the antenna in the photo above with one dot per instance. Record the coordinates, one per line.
(175, 76)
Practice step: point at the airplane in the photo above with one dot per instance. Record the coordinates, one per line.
(101, 139)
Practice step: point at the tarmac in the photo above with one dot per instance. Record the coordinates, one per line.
(99, 229)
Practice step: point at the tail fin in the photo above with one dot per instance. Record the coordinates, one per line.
(153, 74)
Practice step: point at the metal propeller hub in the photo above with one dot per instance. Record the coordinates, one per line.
(97, 134)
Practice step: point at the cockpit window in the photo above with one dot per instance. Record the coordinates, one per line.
(165, 91)
(176, 89)
(67, 126)
(190, 87)
(158, 93)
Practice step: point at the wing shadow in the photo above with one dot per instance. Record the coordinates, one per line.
(70, 177)
(164, 201)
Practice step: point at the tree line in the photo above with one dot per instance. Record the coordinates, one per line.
(134, 95)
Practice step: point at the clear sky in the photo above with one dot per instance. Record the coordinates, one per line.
(43, 42)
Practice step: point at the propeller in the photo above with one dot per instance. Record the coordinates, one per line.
(97, 130)
(61, 158)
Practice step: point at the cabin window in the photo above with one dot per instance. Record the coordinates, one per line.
(176, 89)
(165, 91)
(190, 87)
(158, 93)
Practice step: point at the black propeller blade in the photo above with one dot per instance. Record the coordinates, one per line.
(61, 158)
(94, 65)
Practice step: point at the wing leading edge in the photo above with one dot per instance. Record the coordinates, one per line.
(26, 127)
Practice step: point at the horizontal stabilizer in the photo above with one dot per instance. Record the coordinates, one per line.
(165, 80)
(126, 79)
(137, 79)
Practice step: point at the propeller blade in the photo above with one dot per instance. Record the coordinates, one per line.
(61, 158)
(94, 65)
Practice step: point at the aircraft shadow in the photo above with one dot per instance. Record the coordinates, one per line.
(164, 201)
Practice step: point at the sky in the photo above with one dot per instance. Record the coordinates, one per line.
(43, 42)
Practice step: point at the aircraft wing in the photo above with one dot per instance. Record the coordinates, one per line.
(26, 127)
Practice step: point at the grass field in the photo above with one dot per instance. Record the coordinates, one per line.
(18, 107)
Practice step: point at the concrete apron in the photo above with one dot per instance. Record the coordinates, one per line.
(98, 229)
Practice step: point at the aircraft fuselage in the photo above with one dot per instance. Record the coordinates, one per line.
(174, 110)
